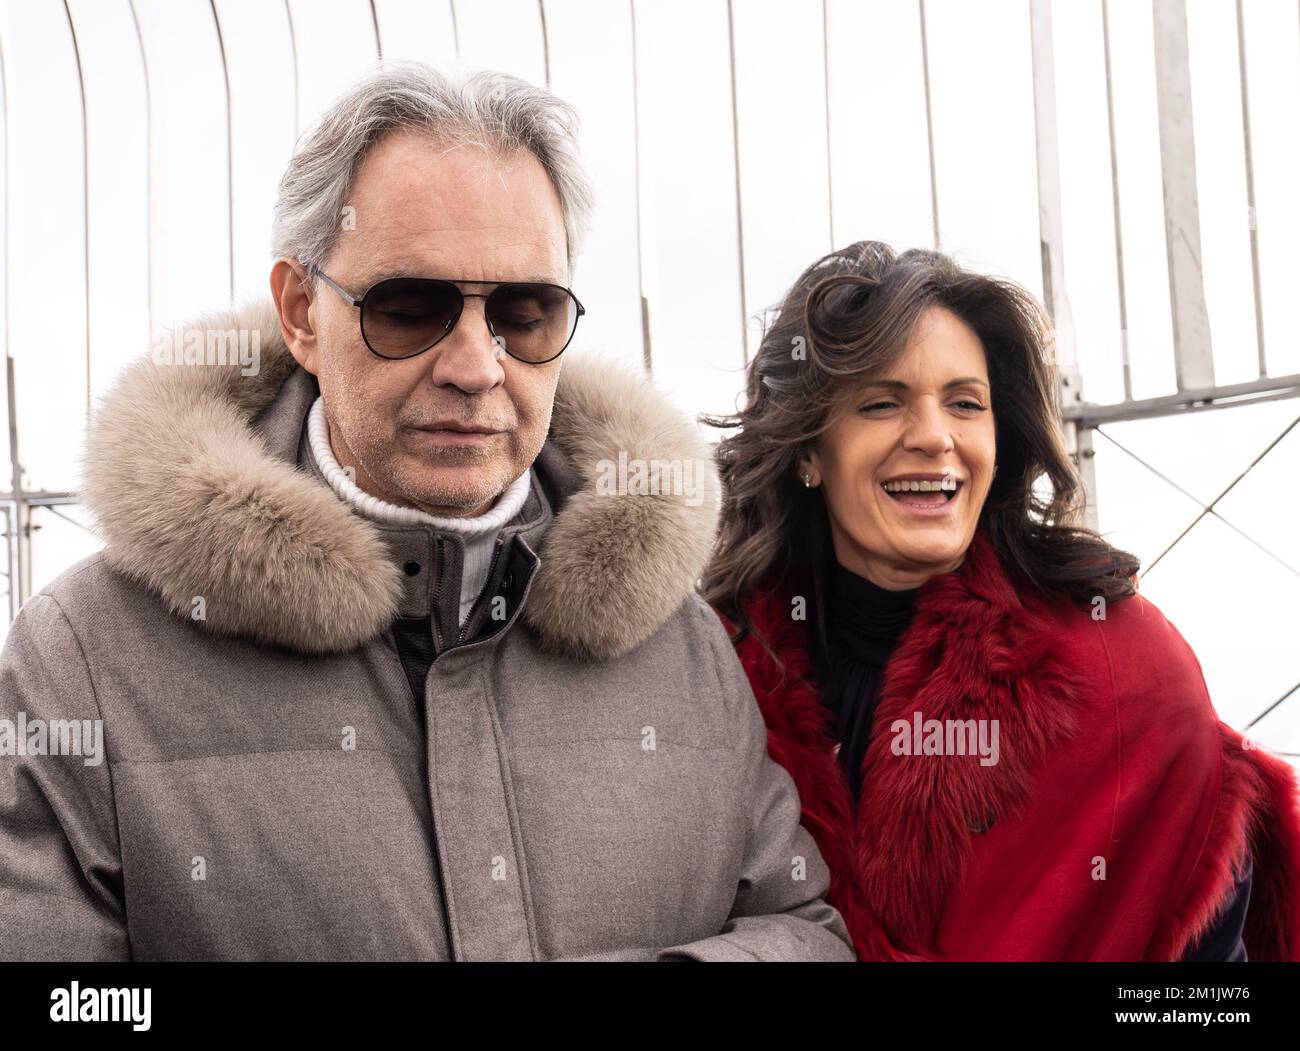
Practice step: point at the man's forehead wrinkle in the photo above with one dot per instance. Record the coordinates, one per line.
(400, 238)
(500, 252)
(418, 246)
(400, 225)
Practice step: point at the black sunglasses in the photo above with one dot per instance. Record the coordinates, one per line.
(403, 316)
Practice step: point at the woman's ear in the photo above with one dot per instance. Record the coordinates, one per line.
(809, 470)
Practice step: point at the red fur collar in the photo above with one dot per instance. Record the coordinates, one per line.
(975, 650)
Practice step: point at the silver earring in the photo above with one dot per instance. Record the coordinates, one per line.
(807, 481)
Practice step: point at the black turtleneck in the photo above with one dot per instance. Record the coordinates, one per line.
(863, 624)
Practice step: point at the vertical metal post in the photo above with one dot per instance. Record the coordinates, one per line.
(1050, 235)
(1051, 242)
(1193, 360)
(1084, 458)
(1121, 288)
(11, 563)
(1248, 146)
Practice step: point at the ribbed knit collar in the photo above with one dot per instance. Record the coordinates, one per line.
(507, 506)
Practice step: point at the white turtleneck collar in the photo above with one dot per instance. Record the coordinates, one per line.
(479, 534)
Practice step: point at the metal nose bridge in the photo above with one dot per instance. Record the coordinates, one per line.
(486, 320)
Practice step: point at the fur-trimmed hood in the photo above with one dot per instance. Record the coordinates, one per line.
(195, 494)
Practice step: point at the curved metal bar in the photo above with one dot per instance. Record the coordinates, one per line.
(546, 42)
(826, 97)
(85, 187)
(230, 149)
(646, 357)
(929, 123)
(740, 217)
(148, 164)
(12, 566)
(293, 53)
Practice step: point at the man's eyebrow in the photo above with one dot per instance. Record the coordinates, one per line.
(962, 381)
(385, 273)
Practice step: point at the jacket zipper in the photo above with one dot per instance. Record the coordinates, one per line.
(496, 555)
(437, 600)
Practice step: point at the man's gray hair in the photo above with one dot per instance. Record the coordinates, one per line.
(491, 109)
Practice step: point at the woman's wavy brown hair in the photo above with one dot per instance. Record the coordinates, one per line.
(851, 314)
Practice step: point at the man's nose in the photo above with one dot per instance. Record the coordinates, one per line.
(927, 429)
(469, 358)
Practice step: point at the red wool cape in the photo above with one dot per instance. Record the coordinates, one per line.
(1112, 763)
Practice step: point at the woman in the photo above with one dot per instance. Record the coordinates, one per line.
(1002, 751)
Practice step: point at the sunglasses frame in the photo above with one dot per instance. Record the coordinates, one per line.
(360, 303)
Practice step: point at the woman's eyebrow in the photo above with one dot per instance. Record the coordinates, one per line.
(963, 381)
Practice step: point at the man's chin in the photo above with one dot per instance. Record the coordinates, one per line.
(455, 492)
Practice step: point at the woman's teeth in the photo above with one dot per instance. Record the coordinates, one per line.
(942, 485)
(927, 494)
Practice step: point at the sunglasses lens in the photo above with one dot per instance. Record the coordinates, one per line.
(406, 315)
(534, 322)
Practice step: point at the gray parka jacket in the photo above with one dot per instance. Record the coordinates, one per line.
(300, 760)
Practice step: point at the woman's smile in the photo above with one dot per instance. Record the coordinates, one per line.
(927, 495)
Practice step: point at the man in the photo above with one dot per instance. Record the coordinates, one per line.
(390, 663)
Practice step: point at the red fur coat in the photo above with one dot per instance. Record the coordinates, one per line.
(1112, 764)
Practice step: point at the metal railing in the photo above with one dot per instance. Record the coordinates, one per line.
(1197, 389)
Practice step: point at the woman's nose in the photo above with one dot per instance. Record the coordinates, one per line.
(927, 429)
